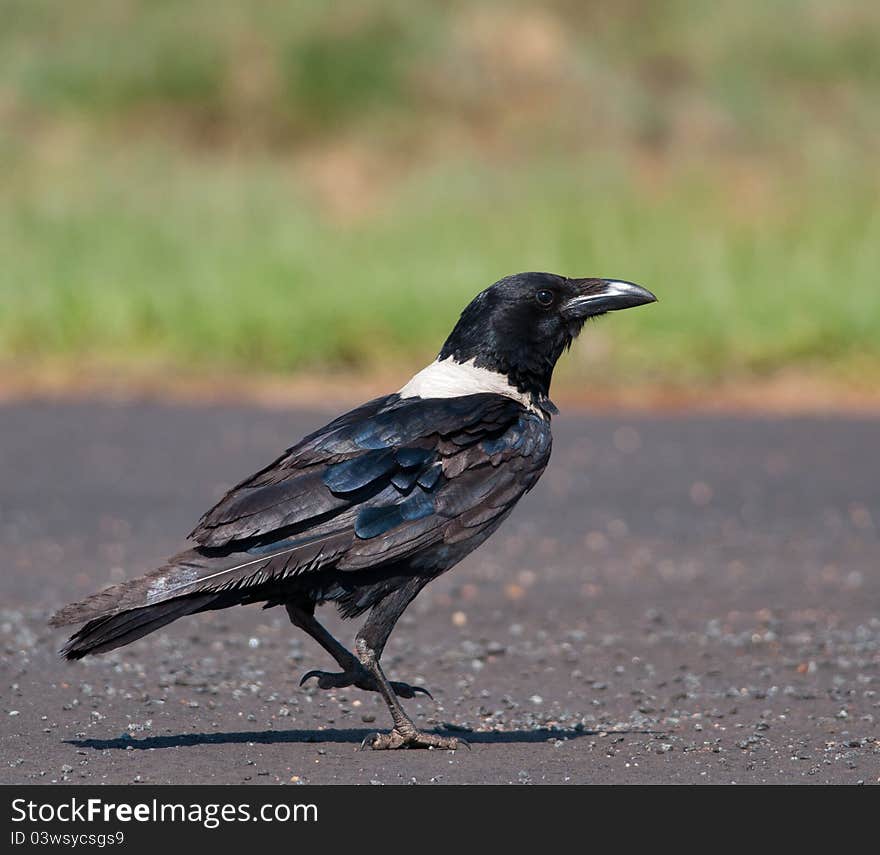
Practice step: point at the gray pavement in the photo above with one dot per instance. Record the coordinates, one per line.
(681, 599)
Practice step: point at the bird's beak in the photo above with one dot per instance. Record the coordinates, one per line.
(597, 296)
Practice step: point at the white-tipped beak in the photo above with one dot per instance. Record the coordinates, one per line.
(606, 295)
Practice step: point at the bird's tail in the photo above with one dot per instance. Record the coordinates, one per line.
(193, 581)
(106, 633)
(130, 610)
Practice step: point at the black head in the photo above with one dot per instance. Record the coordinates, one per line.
(521, 325)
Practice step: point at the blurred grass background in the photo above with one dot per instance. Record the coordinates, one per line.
(259, 186)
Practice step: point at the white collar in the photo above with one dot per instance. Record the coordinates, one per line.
(447, 378)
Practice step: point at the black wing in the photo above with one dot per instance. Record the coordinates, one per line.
(376, 485)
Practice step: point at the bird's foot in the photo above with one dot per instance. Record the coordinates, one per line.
(362, 680)
(411, 738)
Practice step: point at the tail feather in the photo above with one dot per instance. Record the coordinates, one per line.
(193, 581)
(112, 600)
(130, 610)
(106, 633)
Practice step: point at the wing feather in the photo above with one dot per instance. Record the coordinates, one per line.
(375, 486)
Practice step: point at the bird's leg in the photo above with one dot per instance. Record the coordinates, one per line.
(353, 673)
(369, 644)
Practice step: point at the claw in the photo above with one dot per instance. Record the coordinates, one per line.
(369, 739)
(405, 690)
(423, 690)
(309, 675)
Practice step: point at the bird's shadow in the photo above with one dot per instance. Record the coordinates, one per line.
(351, 736)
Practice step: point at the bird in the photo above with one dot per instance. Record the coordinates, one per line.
(367, 510)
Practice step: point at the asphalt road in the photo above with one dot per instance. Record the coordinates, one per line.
(682, 599)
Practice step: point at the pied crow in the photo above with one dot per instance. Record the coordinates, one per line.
(367, 510)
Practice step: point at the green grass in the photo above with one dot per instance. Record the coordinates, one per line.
(233, 268)
(273, 187)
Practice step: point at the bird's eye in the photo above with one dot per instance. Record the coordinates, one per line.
(545, 297)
